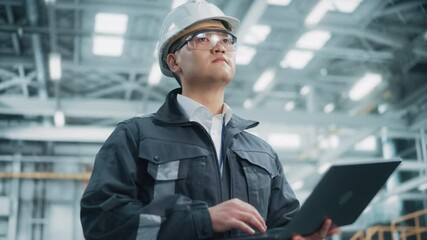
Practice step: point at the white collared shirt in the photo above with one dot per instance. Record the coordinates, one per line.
(196, 112)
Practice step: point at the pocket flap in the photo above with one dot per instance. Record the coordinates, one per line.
(258, 158)
(160, 151)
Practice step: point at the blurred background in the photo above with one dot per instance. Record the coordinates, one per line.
(329, 80)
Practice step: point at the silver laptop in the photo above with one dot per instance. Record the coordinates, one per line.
(342, 194)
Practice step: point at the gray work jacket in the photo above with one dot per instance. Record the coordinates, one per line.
(156, 176)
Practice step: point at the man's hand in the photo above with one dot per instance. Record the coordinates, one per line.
(236, 214)
(326, 231)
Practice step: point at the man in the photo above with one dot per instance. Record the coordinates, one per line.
(190, 170)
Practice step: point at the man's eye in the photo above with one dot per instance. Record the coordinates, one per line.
(227, 41)
(203, 39)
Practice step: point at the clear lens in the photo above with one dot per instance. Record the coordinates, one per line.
(209, 39)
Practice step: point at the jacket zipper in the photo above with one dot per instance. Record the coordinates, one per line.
(212, 146)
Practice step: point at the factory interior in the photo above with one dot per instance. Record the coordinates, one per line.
(330, 81)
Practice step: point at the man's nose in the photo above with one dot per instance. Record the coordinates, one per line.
(218, 47)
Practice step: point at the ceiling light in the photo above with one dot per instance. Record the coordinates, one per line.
(155, 74)
(257, 34)
(364, 86)
(368, 144)
(289, 106)
(284, 140)
(59, 118)
(346, 6)
(264, 80)
(279, 2)
(329, 108)
(244, 55)
(111, 23)
(315, 39)
(305, 90)
(247, 104)
(108, 46)
(55, 69)
(318, 12)
(296, 59)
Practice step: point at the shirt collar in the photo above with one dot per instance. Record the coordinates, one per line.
(191, 107)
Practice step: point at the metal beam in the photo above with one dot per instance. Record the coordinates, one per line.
(28, 30)
(128, 7)
(51, 134)
(403, 6)
(104, 67)
(15, 39)
(120, 109)
(373, 35)
(48, 159)
(405, 187)
(252, 16)
(36, 42)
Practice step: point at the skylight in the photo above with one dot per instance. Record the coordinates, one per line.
(296, 59)
(313, 40)
(318, 12)
(264, 80)
(108, 46)
(284, 140)
(111, 23)
(346, 6)
(321, 8)
(257, 34)
(364, 86)
(244, 55)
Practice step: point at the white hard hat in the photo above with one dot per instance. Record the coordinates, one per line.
(183, 17)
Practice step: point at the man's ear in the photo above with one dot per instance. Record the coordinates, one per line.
(173, 65)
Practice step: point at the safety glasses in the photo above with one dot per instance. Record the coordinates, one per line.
(207, 39)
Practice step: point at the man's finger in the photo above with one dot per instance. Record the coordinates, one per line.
(246, 207)
(243, 227)
(252, 220)
(325, 228)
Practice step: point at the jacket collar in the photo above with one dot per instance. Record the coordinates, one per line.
(170, 113)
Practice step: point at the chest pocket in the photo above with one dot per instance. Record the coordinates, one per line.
(259, 170)
(175, 167)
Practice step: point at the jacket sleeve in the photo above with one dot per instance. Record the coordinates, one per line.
(283, 203)
(110, 208)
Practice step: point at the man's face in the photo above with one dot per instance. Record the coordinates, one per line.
(197, 66)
